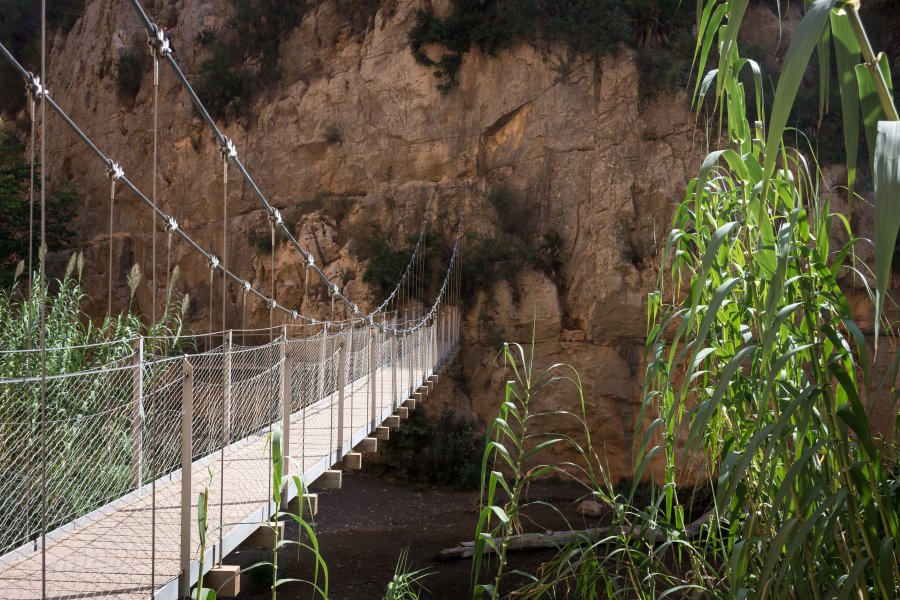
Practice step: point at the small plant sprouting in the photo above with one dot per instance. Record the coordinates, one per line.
(405, 584)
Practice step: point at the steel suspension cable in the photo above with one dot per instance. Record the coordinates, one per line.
(154, 30)
(171, 222)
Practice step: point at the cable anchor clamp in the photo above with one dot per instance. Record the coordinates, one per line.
(275, 217)
(171, 224)
(158, 42)
(213, 262)
(227, 149)
(34, 87)
(114, 171)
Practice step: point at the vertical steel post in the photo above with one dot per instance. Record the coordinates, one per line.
(187, 418)
(137, 418)
(373, 381)
(393, 368)
(342, 383)
(226, 427)
(285, 401)
(226, 400)
(322, 369)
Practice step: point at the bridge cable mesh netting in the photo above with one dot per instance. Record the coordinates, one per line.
(100, 469)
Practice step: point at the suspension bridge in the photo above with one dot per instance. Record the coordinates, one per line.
(100, 469)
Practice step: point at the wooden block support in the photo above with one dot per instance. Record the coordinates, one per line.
(429, 385)
(433, 378)
(382, 433)
(392, 421)
(264, 536)
(225, 579)
(308, 504)
(329, 480)
(417, 396)
(367, 445)
(423, 389)
(403, 412)
(410, 404)
(352, 461)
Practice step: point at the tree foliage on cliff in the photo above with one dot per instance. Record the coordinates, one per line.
(20, 26)
(243, 58)
(590, 28)
(61, 207)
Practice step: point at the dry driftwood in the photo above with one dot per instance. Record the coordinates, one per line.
(555, 539)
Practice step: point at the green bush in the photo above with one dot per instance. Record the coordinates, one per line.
(517, 245)
(386, 265)
(244, 55)
(590, 28)
(130, 72)
(61, 206)
(446, 452)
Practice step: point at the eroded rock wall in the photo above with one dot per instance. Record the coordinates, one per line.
(355, 116)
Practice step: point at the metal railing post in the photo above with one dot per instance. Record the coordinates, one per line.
(187, 419)
(322, 369)
(393, 368)
(285, 400)
(373, 369)
(137, 418)
(226, 427)
(342, 383)
(226, 411)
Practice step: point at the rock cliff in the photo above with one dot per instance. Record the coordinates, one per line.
(353, 116)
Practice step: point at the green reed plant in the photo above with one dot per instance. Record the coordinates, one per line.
(757, 375)
(74, 405)
(75, 341)
(757, 371)
(200, 592)
(405, 584)
(280, 483)
(517, 440)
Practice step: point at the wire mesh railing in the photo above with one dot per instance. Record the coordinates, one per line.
(112, 471)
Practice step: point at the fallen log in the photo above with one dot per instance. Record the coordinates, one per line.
(555, 539)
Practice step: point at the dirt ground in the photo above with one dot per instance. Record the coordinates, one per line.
(363, 528)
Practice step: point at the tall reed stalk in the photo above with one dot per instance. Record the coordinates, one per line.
(757, 375)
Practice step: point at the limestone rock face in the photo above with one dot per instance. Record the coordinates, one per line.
(353, 116)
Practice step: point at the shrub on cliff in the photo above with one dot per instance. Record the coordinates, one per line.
(590, 28)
